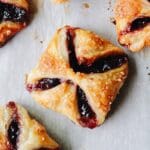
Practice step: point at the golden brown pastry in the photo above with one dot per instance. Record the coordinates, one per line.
(79, 75)
(13, 18)
(133, 23)
(60, 1)
(20, 132)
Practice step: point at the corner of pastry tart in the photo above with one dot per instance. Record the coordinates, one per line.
(13, 18)
(133, 23)
(79, 76)
(60, 1)
(19, 131)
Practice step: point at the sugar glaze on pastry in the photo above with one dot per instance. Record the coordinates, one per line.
(18, 131)
(79, 75)
(13, 18)
(133, 23)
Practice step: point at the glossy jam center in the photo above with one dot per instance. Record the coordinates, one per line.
(100, 65)
(13, 133)
(139, 23)
(88, 116)
(44, 84)
(71, 50)
(104, 64)
(47, 83)
(84, 108)
(12, 13)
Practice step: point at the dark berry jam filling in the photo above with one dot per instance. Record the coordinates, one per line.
(87, 115)
(13, 133)
(139, 23)
(98, 66)
(104, 64)
(71, 49)
(47, 83)
(12, 13)
(13, 129)
(84, 108)
(44, 84)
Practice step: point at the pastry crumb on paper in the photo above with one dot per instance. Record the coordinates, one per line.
(86, 5)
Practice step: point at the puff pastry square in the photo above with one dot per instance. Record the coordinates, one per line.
(79, 75)
(133, 23)
(18, 131)
(13, 18)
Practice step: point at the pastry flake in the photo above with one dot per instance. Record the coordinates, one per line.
(133, 23)
(13, 18)
(18, 131)
(79, 76)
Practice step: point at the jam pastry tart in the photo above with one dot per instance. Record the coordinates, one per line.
(20, 132)
(133, 23)
(79, 75)
(13, 18)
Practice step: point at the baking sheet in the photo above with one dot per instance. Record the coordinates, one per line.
(128, 125)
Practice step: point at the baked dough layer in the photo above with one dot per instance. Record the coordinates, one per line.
(13, 18)
(126, 13)
(53, 83)
(15, 122)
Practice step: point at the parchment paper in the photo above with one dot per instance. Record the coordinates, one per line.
(128, 125)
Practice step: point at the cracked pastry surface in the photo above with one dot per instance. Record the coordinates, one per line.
(133, 23)
(79, 76)
(13, 18)
(18, 131)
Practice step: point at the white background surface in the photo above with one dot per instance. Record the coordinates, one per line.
(128, 126)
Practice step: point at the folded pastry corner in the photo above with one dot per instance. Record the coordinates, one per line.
(133, 23)
(13, 18)
(18, 131)
(79, 76)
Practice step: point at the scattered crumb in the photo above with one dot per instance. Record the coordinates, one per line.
(149, 73)
(112, 20)
(86, 5)
(110, 5)
(37, 37)
(147, 67)
(41, 42)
